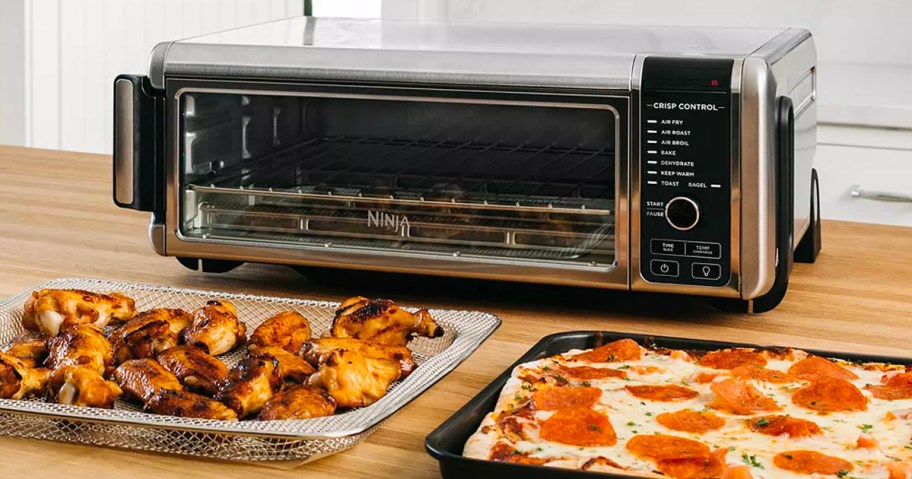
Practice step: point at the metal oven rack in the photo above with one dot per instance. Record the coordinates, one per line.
(505, 200)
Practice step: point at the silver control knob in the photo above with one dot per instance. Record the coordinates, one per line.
(682, 213)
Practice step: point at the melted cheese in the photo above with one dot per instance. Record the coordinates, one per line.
(630, 416)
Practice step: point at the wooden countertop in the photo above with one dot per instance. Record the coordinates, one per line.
(57, 220)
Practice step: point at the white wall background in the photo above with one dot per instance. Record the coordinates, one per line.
(868, 31)
(864, 46)
(61, 57)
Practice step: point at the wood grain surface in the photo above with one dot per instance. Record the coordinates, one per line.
(57, 219)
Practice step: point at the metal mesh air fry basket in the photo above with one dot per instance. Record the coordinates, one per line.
(126, 426)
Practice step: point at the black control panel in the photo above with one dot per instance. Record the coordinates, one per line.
(685, 171)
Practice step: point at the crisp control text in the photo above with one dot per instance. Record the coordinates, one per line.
(685, 106)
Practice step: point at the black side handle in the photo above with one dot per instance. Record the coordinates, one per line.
(785, 216)
(136, 138)
(785, 206)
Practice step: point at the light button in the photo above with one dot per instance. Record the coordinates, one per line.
(706, 271)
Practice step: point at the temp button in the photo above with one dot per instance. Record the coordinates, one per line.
(704, 250)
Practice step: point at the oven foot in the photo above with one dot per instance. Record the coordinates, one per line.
(209, 265)
(809, 246)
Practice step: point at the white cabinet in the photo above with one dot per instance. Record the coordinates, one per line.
(877, 160)
(60, 58)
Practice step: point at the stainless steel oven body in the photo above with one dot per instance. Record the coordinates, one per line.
(652, 159)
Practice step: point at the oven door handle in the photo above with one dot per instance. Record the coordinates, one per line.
(137, 136)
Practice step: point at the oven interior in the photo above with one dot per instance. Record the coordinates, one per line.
(487, 179)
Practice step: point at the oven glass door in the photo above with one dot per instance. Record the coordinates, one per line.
(512, 177)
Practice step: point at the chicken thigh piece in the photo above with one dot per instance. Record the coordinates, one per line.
(299, 402)
(287, 330)
(28, 347)
(216, 328)
(250, 384)
(47, 310)
(188, 404)
(196, 370)
(81, 386)
(381, 321)
(149, 333)
(81, 345)
(289, 367)
(141, 379)
(317, 350)
(354, 380)
(18, 379)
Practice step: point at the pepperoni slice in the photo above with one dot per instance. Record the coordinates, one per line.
(617, 351)
(588, 372)
(811, 462)
(670, 392)
(741, 471)
(704, 378)
(695, 467)
(553, 398)
(758, 373)
(738, 397)
(731, 358)
(867, 441)
(896, 387)
(578, 427)
(815, 367)
(688, 420)
(900, 470)
(663, 447)
(829, 395)
(779, 425)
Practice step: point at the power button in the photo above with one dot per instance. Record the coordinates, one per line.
(662, 267)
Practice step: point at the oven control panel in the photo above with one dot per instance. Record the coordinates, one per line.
(685, 171)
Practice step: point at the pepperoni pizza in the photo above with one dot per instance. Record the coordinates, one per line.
(730, 414)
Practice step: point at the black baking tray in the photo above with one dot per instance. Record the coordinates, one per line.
(446, 442)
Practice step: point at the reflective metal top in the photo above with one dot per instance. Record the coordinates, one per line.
(586, 56)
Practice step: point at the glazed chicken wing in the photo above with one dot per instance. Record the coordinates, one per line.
(253, 382)
(28, 347)
(289, 367)
(354, 380)
(198, 371)
(81, 386)
(381, 321)
(18, 379)
(142, 378)
(81, 345)
(216, 328)
(48, 309)
(149, 333)
(188, 404)
(299, 402)
(288, 330)
(317, 350)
